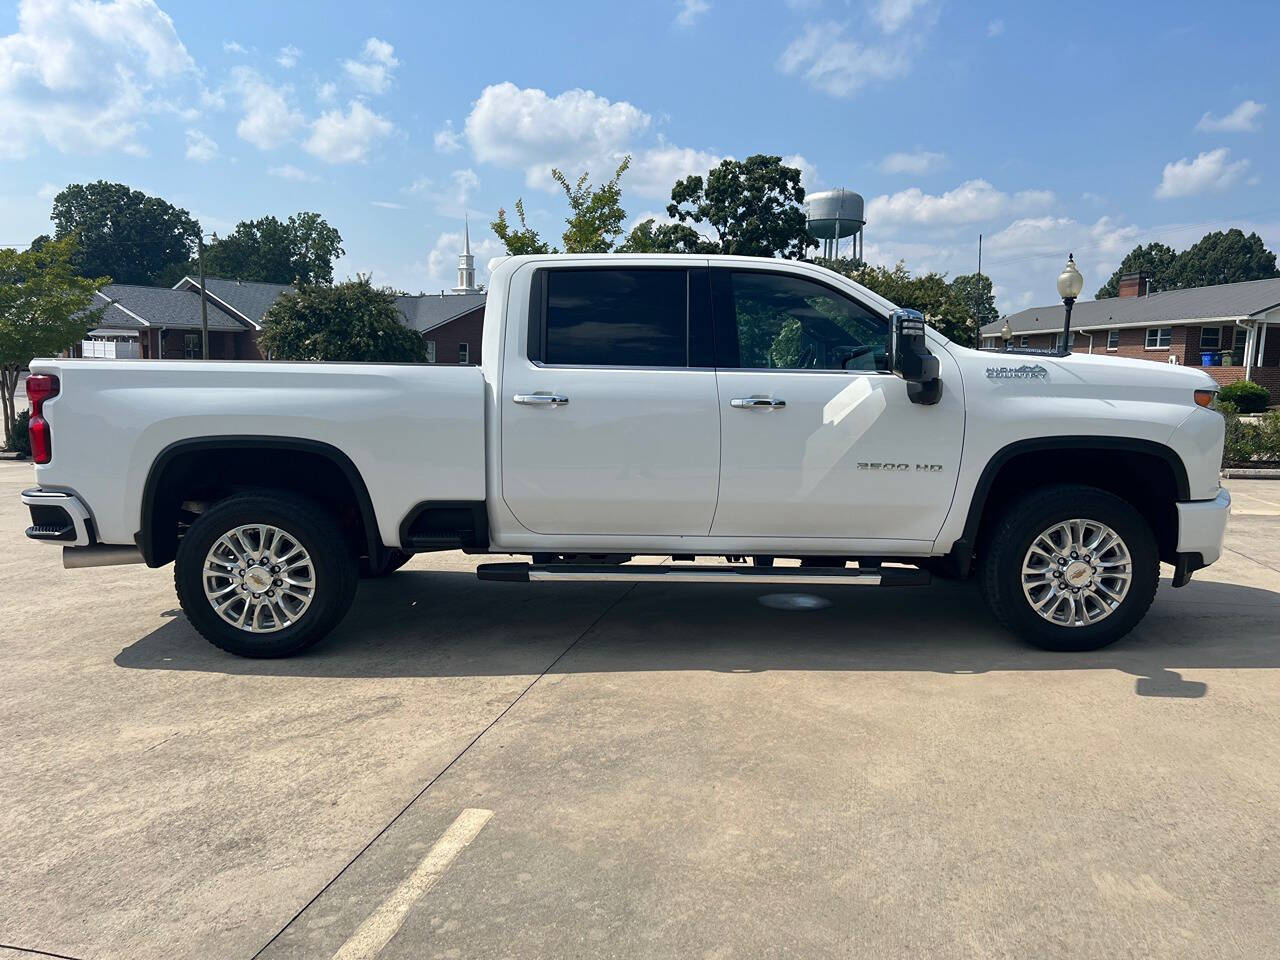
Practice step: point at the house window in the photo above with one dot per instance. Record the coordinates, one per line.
(1159, 337)
(1113, 339)
(1210, 338)
(1057, 340)
(988, 343)
(1024, 342)
(464, 354)
(191, 346)
(431, 351)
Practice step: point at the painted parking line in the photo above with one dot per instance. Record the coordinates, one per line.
(381, 925)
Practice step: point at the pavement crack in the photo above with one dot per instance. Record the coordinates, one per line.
(443, 770)
(37, 953)
(1251, 559)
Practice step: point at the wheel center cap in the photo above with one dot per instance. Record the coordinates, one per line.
(1078, 573)
(257, 579)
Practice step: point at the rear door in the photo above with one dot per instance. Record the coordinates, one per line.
(819, 439)
(610, 419)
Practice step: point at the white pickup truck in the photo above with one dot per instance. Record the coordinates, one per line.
(771, 413)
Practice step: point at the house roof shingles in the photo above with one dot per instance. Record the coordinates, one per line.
(1225, 301)
(159, 307)
(252, 299)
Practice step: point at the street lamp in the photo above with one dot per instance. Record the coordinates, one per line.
(1070, 283)
(1007, 333)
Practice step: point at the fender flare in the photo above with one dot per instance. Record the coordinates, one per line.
(145, 538)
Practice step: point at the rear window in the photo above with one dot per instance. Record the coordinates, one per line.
(623, 318)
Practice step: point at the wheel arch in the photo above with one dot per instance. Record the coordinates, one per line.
(1149, 475)
(173, 470)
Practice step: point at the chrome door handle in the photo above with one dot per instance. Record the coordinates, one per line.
(541, 399)
(757, 403)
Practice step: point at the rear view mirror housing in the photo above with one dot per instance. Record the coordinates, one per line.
(910, 358)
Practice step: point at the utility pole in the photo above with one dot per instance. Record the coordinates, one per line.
(204, 304)
(977, 299)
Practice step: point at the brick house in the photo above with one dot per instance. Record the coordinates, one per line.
(1223, 329)
(160, 323)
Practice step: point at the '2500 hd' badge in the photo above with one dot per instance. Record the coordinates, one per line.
(900, 467)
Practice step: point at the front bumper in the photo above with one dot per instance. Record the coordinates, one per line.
(1202, 524)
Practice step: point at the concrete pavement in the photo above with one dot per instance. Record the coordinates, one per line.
(669, 771)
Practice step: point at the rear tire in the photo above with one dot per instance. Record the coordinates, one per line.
(284, 565)
(1063, 535)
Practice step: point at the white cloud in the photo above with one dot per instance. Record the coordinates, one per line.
(420, 186)
(48, 191)
(833, 63)
(995, 27)
(655, 170)
(465, 183)
(338, 137)
(269, 120)
(447, 139)
(387, 205)
(326, 92)
(230, 46)
(82, 76)
(1211, 170)
(690, 11)
(971, 202)
(288, 56)
(525, 128)
(288, 171)
(1243, 119)
(919, 162)
(200, 147)
(372, 72)
(808, 171)
(893, 15)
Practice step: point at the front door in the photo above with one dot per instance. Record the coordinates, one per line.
(610, 424)
(818, 438)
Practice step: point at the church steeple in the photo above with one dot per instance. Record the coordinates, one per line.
(466, 263)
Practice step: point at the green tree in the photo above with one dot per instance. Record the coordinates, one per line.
(517, 242)
(44, 309)
(123, 233)
(268, 250)
(948, 308)
(595, 213)
(1219, 257)
(346, 321)
(1155, 259)
(972, 304)
(1228, 257)
(648, 236)
(753, 205)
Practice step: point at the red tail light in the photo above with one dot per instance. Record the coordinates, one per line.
(40, 387)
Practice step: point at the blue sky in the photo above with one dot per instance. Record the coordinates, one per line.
(1084, 127)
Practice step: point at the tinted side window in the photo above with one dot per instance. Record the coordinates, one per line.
(630, 318)
(789, 323)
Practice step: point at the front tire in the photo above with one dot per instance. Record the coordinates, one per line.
(264, 575)
(1070, 568)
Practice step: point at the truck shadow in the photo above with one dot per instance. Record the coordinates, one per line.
(446, 623)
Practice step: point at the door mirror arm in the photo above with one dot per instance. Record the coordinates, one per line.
(911, 360)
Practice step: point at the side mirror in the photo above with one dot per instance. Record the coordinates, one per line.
(911, 360)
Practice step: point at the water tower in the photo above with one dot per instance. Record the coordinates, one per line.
(834, 215)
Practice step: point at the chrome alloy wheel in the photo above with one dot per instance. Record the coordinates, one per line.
(1077, 573)
(259, 578)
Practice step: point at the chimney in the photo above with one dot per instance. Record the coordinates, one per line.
(1134, 284)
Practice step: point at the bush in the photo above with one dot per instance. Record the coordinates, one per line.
(20, 442)
(1246, 396)
(1250, 444)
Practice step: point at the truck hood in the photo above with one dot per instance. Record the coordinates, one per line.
(1104, 369)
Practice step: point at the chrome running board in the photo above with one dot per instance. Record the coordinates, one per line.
(663, 573)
